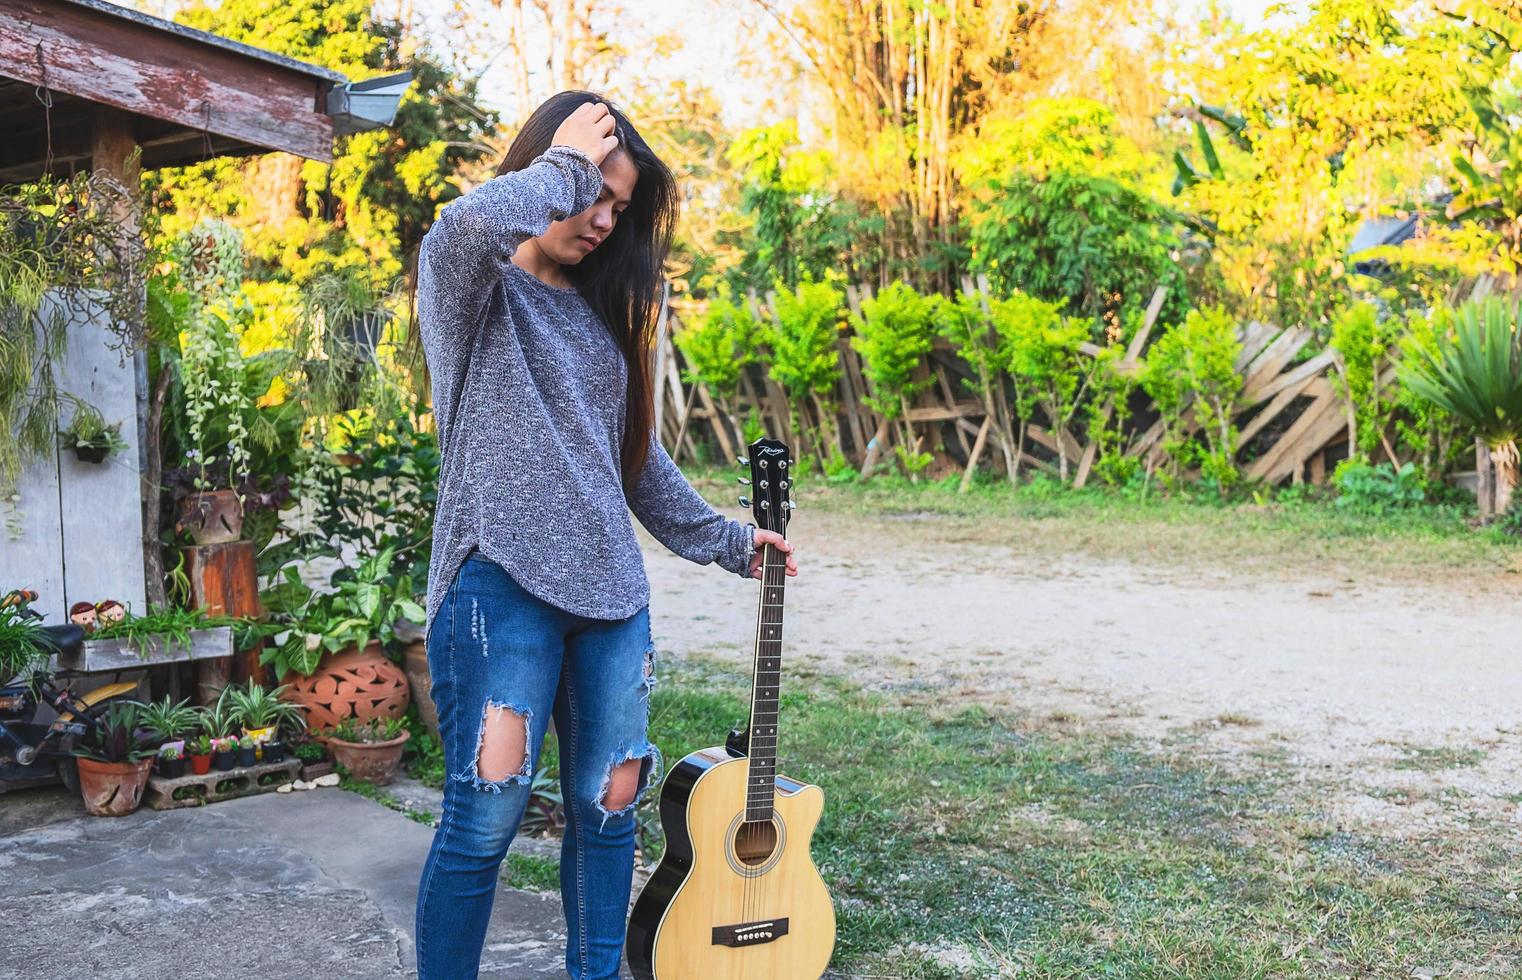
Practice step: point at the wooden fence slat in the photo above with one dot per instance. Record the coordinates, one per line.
(1272, 461)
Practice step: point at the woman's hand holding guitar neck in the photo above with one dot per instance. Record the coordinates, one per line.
(764, 538)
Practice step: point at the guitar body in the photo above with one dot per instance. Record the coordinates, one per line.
(727, 905)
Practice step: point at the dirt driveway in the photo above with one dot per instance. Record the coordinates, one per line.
(1399, 694)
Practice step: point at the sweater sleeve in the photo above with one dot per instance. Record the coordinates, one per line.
(463, 254)
(669, 508)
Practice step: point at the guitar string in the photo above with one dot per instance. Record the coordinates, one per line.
(749, 890)
(778, 572)
(750, 771)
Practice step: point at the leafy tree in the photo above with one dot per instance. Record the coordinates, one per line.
(1344, 115)
(1488, 173)
(795, 224)
(1055, 210)
(364, 213)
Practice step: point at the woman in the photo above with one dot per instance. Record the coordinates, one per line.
(535, 295)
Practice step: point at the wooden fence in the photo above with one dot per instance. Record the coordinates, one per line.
(1291, 419)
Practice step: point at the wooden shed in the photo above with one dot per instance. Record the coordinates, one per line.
(83, 85)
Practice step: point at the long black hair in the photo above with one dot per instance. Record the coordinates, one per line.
(620, 279)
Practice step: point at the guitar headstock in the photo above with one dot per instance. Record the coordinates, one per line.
(771, 482)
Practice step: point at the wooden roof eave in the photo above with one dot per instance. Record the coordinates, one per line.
(192, 94)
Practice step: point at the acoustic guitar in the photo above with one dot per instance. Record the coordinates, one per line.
(736, 895)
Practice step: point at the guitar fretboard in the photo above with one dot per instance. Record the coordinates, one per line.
(760, 788)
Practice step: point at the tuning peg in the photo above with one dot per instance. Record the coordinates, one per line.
(743, 460)
(744, 501)
(743, 479)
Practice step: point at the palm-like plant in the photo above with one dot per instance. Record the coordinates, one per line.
(170, 721)
(220, 719)
(254, 707)
(1475, 373)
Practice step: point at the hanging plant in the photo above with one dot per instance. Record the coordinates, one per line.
(89, 435)
(64, 261)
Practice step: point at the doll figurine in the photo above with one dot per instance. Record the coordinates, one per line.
(109, 611)
(82, 614)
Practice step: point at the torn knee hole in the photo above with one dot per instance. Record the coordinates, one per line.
(502, 748)
(624, 781)
(623, 784)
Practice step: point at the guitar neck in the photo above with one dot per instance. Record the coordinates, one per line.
(760, 788)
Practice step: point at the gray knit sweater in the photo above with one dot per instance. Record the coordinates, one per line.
(528, 396)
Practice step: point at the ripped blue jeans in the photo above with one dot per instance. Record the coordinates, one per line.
(495, 648)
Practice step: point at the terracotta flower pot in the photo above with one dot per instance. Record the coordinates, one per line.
(213, 517)
(421, 682)
(200, 764)
(112, 789)
(371, 762)
(359, 684)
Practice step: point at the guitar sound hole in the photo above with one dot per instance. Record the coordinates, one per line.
(755, 842)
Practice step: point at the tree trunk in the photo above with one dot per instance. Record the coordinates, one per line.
(1485, 479)
(1505, 459)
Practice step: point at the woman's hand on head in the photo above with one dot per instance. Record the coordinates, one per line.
(764, 538)
(589, 129)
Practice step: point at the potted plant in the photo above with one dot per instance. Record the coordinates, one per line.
(313, 756)
(369, 750)
(171, 761)
(224, 753)
(200, 751)
(337, 643)
(169, 722)
(261, 713)
(272, 751)
(114, 760)
(89, 436)
(246, 755)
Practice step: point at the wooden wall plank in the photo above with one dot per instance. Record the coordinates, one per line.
(100, 504)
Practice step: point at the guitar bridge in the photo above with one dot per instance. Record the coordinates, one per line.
(750, 933)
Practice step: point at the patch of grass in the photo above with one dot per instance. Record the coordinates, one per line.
(1431, 758)
(377, 793)
(531, 873)
(962, 842)
(1263, 526)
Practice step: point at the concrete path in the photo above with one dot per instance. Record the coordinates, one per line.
(315, 884)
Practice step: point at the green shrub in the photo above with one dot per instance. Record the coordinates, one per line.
(1364, 344)
(805, 360)
(1377, 489)
(894, 333)
(1046, 361)
(1192, 377)
(719, 344)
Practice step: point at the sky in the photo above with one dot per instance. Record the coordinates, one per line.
(715, 33)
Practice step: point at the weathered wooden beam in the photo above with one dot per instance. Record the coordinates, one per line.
(130, 64)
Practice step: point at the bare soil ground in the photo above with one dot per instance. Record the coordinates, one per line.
(1394, 692)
